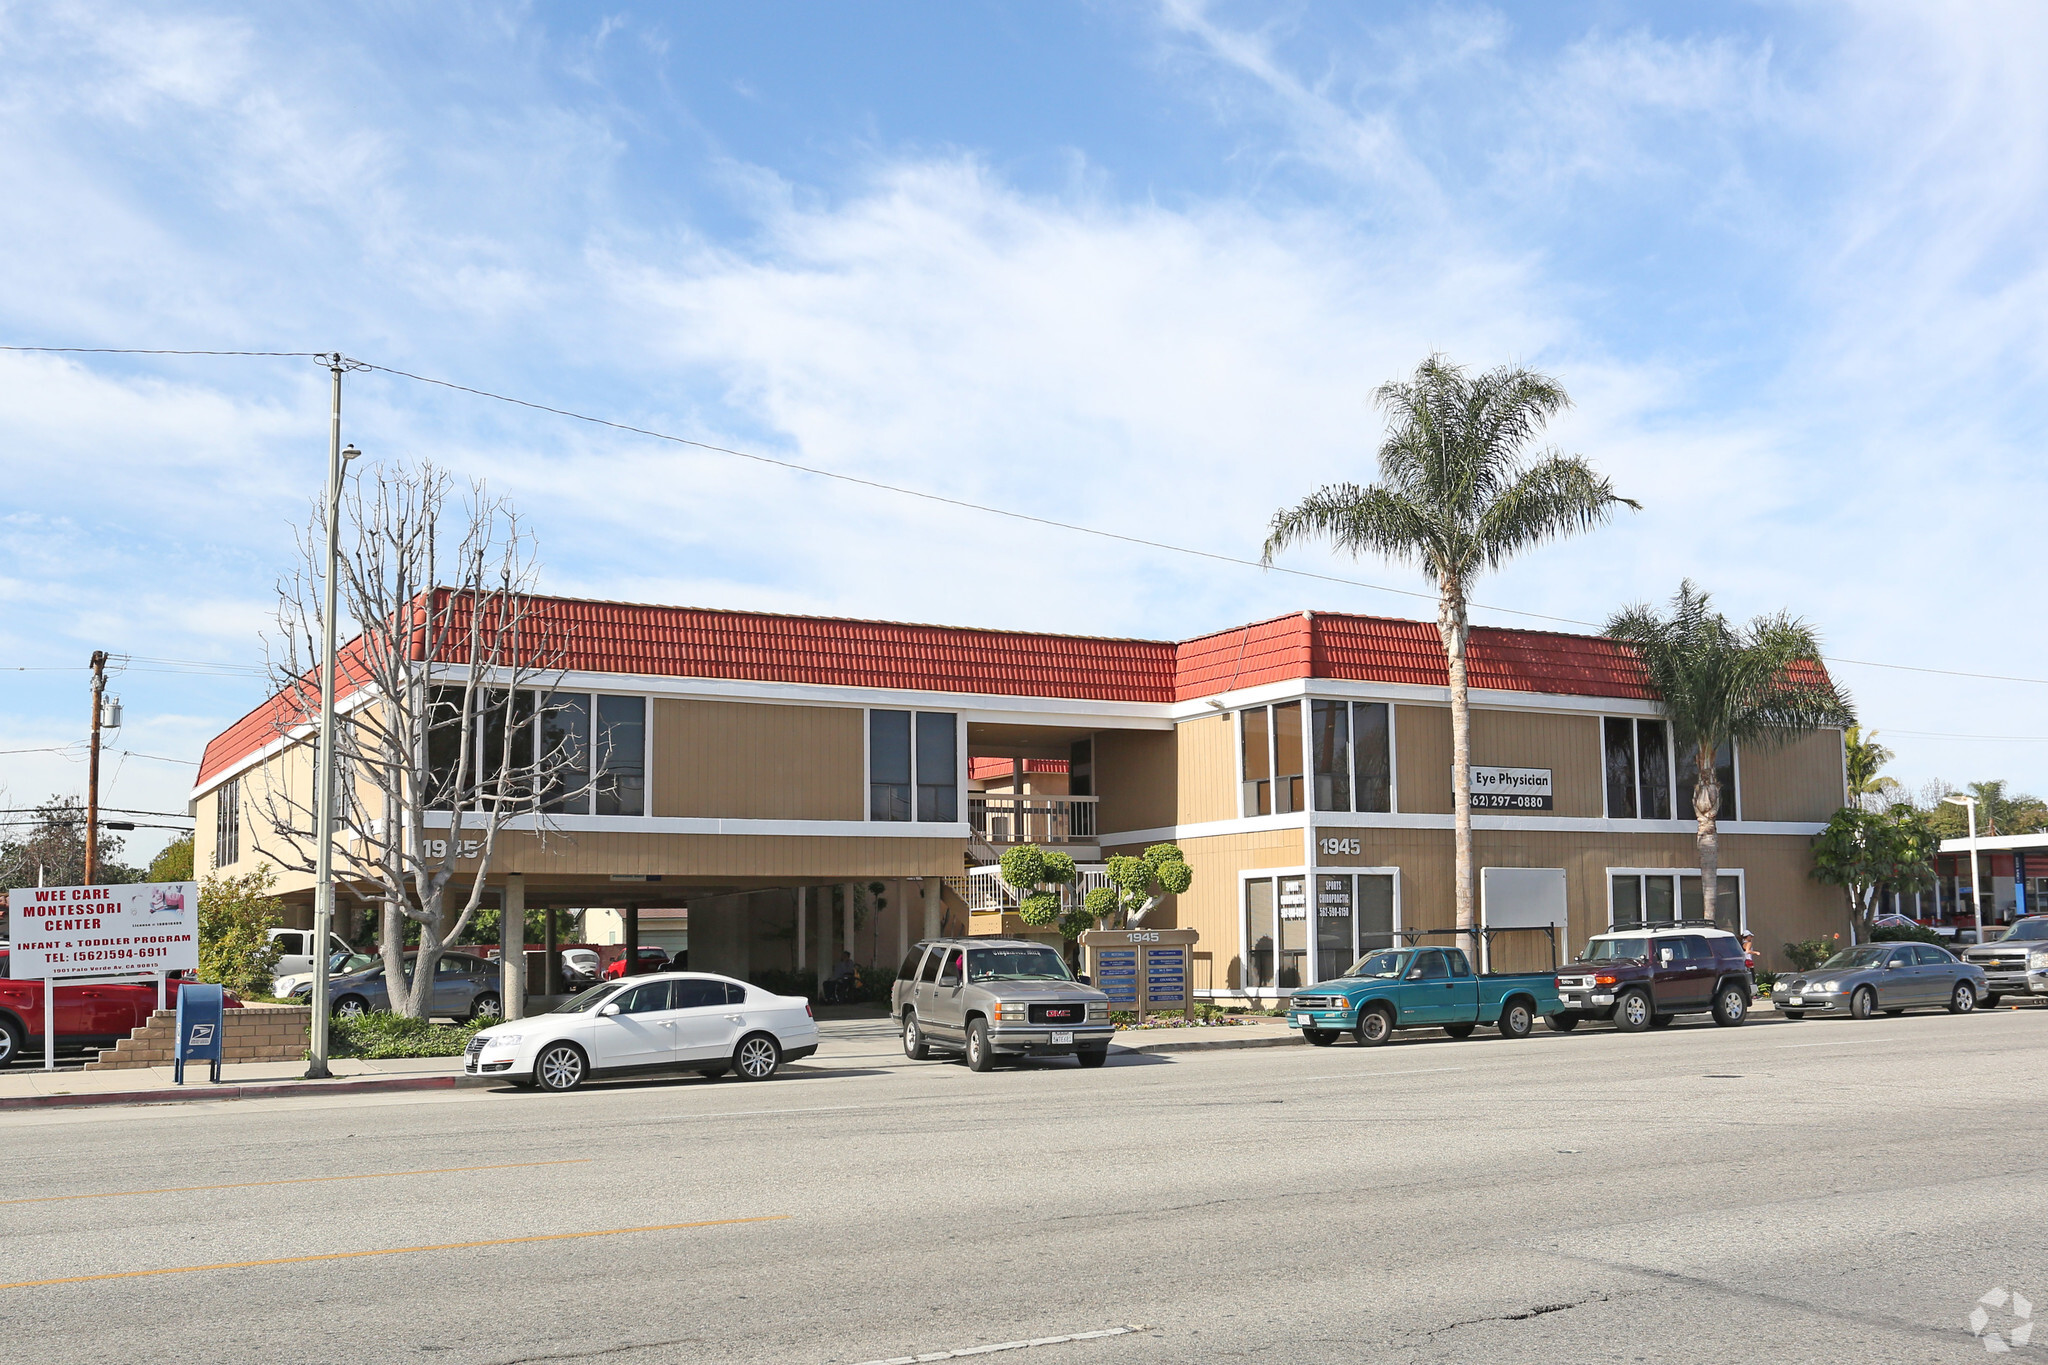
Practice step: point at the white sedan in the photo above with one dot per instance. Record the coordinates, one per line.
(671, 1021)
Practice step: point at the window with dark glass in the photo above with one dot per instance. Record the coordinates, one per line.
(444, 746)
(621, 756)
(1352, 756)
(1258, 934)
(938, 768)
(1287, 793)
(564, 736)
(1271, 758)
(227, 822)
(1081, 767)
(697, 994)
(1636, 763)
(1724, 769)
(503, 716)
(889, 785)
(1257, 763)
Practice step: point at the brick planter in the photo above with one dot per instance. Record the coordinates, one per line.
(255, 1033)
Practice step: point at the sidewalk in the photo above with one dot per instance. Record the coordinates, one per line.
(25, 1087)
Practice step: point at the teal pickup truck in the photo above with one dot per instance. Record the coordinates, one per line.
(1420, 988)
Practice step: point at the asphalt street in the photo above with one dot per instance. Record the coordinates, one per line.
(1822, 1191)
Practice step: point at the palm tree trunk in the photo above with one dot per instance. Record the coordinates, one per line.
(1706, 803)
(1451, 624)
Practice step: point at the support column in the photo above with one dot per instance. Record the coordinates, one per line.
(933, 889)
(512, 948)
(803, 906)
(846, 921)
(902, 921)
(823, 944)
(632, 919)
(552, 972)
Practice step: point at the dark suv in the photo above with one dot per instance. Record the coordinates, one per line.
(1643, 976)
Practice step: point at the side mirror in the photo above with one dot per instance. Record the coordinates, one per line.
(1414, 974)
(1664, 957)
(607, 1011)
(1085, 979)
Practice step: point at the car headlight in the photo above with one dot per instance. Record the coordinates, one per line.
(1828, 987)
(502, 1039)
(2038, 958)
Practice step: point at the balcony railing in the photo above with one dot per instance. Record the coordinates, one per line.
(1033, 819)
(988, 895)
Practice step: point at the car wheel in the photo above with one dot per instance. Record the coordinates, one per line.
(560, 1068)
(1632, 1013)
(980, 1055)
(914, 1045)
(12, 1041)
(757, 1057)
(351, 1007)
(1460, 1030)
(486, 1006)
(1517, 1021)
(1964, 1000)
(1560, 1023)
(1731, 1006)
(1092, 1056)
(1375, 1026)
(1321, 1037)
(1863, 1004)
(1663, 1020)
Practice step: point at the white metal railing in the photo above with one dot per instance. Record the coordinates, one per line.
(987, 894)
(1032, 819)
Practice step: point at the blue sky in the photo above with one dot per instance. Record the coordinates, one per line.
(1136, 266)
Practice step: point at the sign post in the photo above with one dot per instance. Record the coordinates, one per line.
(1144, 970)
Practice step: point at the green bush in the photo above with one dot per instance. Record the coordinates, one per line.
(236, 915)
(376, 1036)
(1766, 982)
(1919, 933)
(1810, 953)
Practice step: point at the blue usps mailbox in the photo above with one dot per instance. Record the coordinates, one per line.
(199, 1029)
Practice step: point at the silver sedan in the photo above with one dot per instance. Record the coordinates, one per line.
(1882, 977)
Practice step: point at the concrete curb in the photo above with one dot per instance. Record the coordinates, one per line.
(1209, 1044)
(254, 1090)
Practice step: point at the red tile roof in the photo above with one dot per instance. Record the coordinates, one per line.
(690, 642)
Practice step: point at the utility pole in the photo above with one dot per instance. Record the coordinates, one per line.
(323, 816)
(92, 771)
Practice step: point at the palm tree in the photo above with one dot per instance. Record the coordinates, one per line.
(1456, 497)
(1760, 686)
(1863, 756)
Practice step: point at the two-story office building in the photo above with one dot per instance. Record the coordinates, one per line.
(808, 785)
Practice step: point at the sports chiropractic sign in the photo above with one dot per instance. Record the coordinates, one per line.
(1510, 788)
(104, 930)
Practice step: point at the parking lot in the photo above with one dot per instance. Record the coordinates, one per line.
(1823, 1191)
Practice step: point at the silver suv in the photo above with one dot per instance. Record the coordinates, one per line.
(2016, 962)
(991, 997)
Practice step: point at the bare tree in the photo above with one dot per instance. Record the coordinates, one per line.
(438, 740)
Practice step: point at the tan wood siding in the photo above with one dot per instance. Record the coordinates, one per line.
(750, 761)
(1422, 758)
(1207, 766)
(1211, 903)
(1567, 745)
(1798, 781)
(1136, 774)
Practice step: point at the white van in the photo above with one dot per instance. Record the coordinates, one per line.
(297, 958)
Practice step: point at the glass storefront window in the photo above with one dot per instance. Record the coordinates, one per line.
(1258, 934)
(1293, 932)
(1288, 943)
(1335, 936)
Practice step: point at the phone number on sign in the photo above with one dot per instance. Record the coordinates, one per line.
(1508, 801)
(108, 955)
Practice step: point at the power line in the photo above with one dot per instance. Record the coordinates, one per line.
(138, 350)
(117, 810)
(159, 758)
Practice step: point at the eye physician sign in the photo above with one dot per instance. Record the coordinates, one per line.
(1510, 788)
(103, 930)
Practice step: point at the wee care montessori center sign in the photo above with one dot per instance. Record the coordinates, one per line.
(104, 930)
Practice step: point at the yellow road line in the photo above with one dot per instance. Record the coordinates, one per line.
(390, 1251)
(303, 1180)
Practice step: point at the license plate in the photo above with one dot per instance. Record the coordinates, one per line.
(1795, 999)
(1063, 1035)
(1304, 1020)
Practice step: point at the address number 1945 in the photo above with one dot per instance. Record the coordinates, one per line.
(1337, 846)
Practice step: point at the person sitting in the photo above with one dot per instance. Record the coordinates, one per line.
(842, 981)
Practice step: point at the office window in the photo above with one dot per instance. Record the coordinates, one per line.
(914, 782)
(1724, 768)
(1271, 759)
(1662, 897)
(938, 768)
(1637, 766)
(564, 734)
(227, 822)
(1276, 933)
(498, 714)
(1350, 745)
(621, 753)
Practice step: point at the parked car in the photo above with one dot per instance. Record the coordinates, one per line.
(580, 968)
(465, 987)
(1892, 977)
(339, 964)
(89, 1014)
(990, 997)
(2015, 963)
(1644, 976)
(651, 960)
(297, 957)
(1402, 988)
(671, 1022)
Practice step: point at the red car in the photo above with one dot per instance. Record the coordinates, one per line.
(90, 1014)
(651, 960)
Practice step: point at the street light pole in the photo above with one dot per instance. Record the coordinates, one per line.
(323, 817)
(1969, 804)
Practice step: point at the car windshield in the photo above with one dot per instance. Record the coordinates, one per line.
(2025, 929)
(1386, 965)
(1865, 955)
(588, 1000)
(1016, 964)
(1615, 949)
